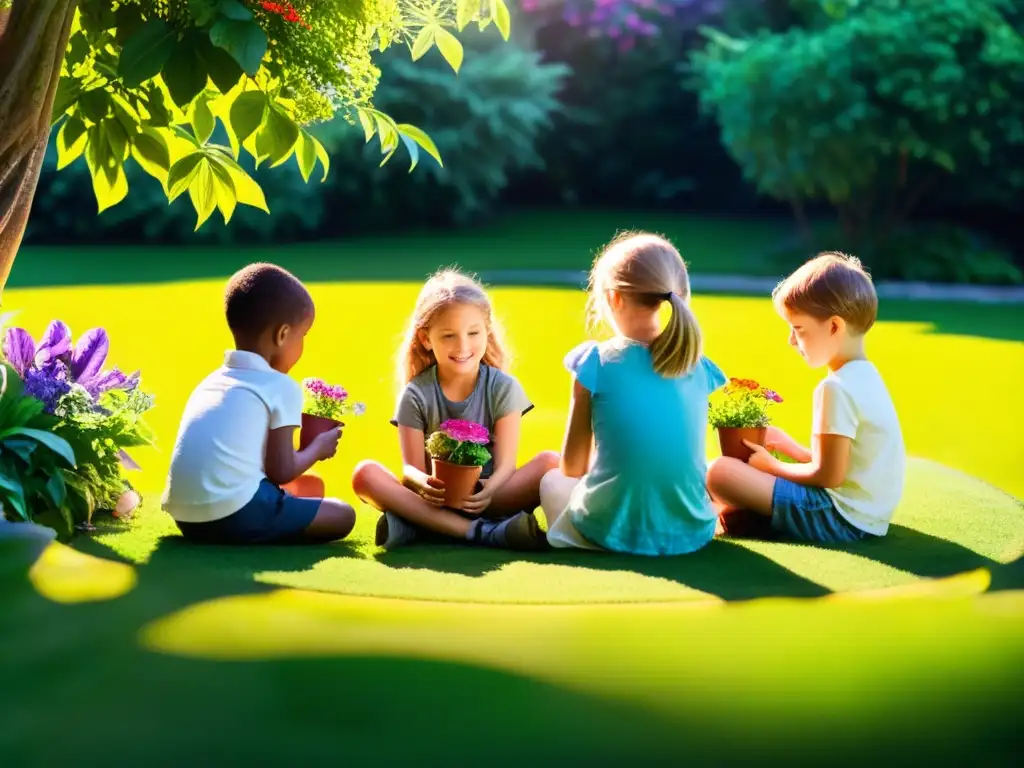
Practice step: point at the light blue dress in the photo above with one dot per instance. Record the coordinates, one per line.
(645, 493)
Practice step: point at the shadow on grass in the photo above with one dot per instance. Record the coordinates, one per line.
(920, 553)
(722, 568)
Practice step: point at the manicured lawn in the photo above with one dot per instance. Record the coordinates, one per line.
(525, 240)
(183, 654)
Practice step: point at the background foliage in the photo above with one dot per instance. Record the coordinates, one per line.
(636, 104)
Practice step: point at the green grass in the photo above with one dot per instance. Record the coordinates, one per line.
(525, 240)
(178, 654)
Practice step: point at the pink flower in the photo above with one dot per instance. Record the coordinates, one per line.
(466, 431)
(320, 388)
(771, 394)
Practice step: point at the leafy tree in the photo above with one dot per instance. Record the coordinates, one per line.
(868, 105)
(148, 79)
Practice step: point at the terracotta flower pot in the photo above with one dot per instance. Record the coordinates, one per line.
(459, 481)
(731, 439)
(313, 426)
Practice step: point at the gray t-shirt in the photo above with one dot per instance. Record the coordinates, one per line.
(422, 405)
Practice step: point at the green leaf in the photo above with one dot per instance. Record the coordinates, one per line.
(203, 193)
(424, 40)
(184, 74)
(181, 174)
(117, 138)
(305, 154)
(502, 19)
(150, 151)
(56, 444)
(78, 50)
(10, 483)
(244, 40)
(202, 120)
(222, 68)
(224, 191)
(247, 113)
(322, 156)
(108, 179)
(145, 52)
(414, 151)
(450, 48)
(23, 448)
(71, 141)
(276, 139)
(94, 104)
(247, 191)
(56, 490)
(421, 138)
(367, 122)
(232, 9)
(69, 90)
(17, 500)
(467, 9)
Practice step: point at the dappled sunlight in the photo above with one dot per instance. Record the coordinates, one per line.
(65, 575)
(659, 654)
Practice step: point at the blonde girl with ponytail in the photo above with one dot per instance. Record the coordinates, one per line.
(631, 476)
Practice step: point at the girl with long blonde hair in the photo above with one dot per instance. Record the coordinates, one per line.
(452, 365)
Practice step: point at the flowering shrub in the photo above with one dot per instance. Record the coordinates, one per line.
(460, 442)
(625, 21)
(329, 401)
(743, 403)
(98, 413)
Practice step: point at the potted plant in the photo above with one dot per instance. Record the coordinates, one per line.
(741, 413)
(458, 452)
(324, 407)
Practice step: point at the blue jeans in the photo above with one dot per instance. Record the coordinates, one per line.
(808, 514)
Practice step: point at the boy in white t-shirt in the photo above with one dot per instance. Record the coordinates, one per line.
(846, 487)
(235, 475)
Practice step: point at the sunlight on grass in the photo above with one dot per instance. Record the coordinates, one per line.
(65, 575)
(869, 659)
(943, 385)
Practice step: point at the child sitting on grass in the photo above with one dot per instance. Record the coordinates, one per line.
(846, 487)
(452, 366)
(640, 400)
(235, 475)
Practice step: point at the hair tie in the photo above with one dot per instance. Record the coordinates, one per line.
(668, 296)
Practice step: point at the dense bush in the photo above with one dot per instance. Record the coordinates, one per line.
(486, 121)
(869, 106)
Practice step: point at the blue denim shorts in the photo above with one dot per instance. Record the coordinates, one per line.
(272, 516)
(808, 514)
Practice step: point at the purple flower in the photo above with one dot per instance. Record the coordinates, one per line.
(19, 349)
(112, 379)
(47, 386)
(55, 344)
(89, 355)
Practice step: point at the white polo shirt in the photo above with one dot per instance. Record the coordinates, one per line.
(853, 402)
(219, 455)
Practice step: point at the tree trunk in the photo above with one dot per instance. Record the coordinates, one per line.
(33, 39)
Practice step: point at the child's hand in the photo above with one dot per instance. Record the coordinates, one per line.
(776, 439)
(325, 444)
(478, 502)
(430, 489)
(761, 459)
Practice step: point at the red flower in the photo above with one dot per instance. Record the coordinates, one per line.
(286, 12)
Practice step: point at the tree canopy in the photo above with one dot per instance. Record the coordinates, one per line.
(149, 79)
